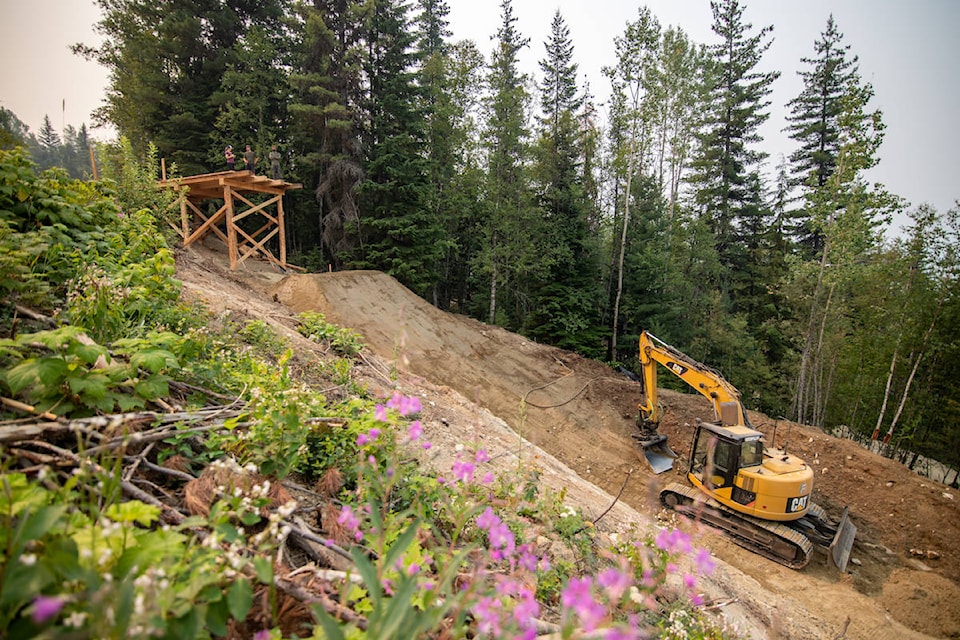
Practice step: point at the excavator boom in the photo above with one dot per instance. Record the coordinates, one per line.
(706, 380)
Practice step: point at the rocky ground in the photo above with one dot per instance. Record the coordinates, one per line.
(533, 406)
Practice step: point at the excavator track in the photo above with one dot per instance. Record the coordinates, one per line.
(769, 539)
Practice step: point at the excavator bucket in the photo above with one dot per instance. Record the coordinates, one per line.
(842, 543)
(658, 454)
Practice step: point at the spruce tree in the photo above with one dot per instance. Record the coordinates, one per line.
(510, 256)
(50, 153)
(564, 301)
(728, 163)
(814, 123)
(325, 116)
(398, 234)
(445, 146)
(167, 62)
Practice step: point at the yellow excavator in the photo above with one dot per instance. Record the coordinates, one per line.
(758, 496)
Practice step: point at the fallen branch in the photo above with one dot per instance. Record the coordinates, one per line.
(26, 408)
(335, 609)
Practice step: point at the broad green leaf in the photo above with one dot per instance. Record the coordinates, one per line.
(264, 569)
(18, 494)
(217, 615)
(154, 360)
(37, 523)
(48, 371)
(20, 582)
(88, 353)
(156, 386)
(133, 511)
(240, 598)
(92, 386)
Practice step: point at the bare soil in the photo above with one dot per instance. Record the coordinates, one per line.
(532, 405)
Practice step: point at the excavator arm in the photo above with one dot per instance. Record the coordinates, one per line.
(704, 379)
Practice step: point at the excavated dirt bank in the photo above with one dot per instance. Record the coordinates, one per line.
(573, 418)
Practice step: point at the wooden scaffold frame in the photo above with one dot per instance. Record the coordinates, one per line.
(233, 188)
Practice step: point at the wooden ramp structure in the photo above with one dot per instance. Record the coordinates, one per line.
(235, 189)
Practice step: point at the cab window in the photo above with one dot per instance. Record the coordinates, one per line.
(751, 453)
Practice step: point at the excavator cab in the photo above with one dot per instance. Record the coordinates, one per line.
(718, 454)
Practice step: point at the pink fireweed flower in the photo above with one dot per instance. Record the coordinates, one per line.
(350, 521)
(578, 597)
(404, 405)
(487, 478)
(368, 437)
(689, 580)
(45, 608)
(616, 582)
(629, 633)
(673, 541)
(487, 614)
(528, 559)
(426, 445)
(380, 413)
(481, 456)
(263, 634)
(415, 430)
(463, 471)
(705, 563)
(487, 519)
(526, 609)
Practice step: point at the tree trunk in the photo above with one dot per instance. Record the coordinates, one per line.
(913, 371)
(493, 282)
(623, 248)
(886, 392)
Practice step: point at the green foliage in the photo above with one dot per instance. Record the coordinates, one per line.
(72, 566)
(65, 372)
(313, 325)
(260, 334)
(133, 179)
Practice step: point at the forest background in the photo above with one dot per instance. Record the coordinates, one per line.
(511, 198)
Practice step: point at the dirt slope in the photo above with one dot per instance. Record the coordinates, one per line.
(482, 382)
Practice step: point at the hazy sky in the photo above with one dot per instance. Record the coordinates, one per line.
(908, 50)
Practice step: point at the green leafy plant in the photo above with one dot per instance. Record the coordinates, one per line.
(343, 341)
(61, 370)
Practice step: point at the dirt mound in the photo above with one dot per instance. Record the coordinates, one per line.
(580, 413)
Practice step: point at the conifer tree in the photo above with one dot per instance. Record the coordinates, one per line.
(50, 153)
(565, 301)
(727, 164)
(325, 116)
(509, 257)
(445, 145)
(814, 122)
(166, 63)
(398, 234)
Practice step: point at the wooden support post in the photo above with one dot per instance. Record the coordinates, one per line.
(184, 216)
(231, 229)
(283, 235)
